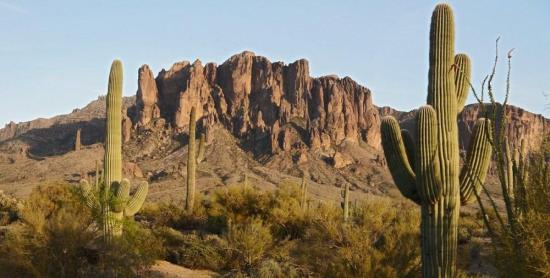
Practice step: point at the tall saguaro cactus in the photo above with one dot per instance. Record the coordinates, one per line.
(191, 163)
(77, 144)
(345, 202)
(193, 158)
(111, 196)
(303, 191)
(428, 172)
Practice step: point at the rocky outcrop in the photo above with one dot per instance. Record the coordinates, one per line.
(520, 124)
(146, 96)
(259, 100)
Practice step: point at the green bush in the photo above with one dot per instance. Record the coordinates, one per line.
(381, 240)
(524, 251)
(251, 233)
(248, 243)
(192, 250)
(56, 237)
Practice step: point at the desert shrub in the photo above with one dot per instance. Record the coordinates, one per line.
(273, 269)
(470, 225)
(286, 216)
(192, 250)
(237, 203)
(52, 238)
(56, 237)
(253, 233)
(520, 241)
(172, 215)
(128, 255)
(381, 240)
(248, 243)
(9, 209)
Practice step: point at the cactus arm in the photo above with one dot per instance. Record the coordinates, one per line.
(396, 156)
(136, 202)
(462, 79)
(123, 190)
(477, 161)
(200, 153)
(119, 195)
(427, 170)
(409, 146)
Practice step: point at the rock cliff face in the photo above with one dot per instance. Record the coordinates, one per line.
(521, 124)
(260, 100)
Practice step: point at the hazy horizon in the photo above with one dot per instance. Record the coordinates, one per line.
(57, 56)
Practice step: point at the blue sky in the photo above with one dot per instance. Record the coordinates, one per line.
(55, 55)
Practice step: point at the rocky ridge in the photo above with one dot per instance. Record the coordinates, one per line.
(274, 106)
(521, 124)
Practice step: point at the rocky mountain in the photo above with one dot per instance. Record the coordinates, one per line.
(256, 99)
(269, 120)
(520, 123)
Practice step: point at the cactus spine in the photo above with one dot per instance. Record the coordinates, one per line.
(432, 177)
(77, 144)
(345, 202)
(191, 162)
(111, 195)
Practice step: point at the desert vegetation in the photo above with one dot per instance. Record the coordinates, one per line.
(103, 226)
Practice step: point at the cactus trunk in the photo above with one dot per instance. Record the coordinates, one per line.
(439, 239)
(429, 174)
(77, 144)
(345, 202)
(191, 163)
(113, 133)
(303, 192)
(439, 220)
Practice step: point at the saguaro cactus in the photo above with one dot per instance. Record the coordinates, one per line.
(345, 202)
(202, 149)
(77, 144)
(303, 191)
(191, 163)
(428, 172)
(111, 195)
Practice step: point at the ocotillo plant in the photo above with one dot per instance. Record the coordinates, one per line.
(111, 195)
(345, 202)
(77, 144)
(428, 173)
